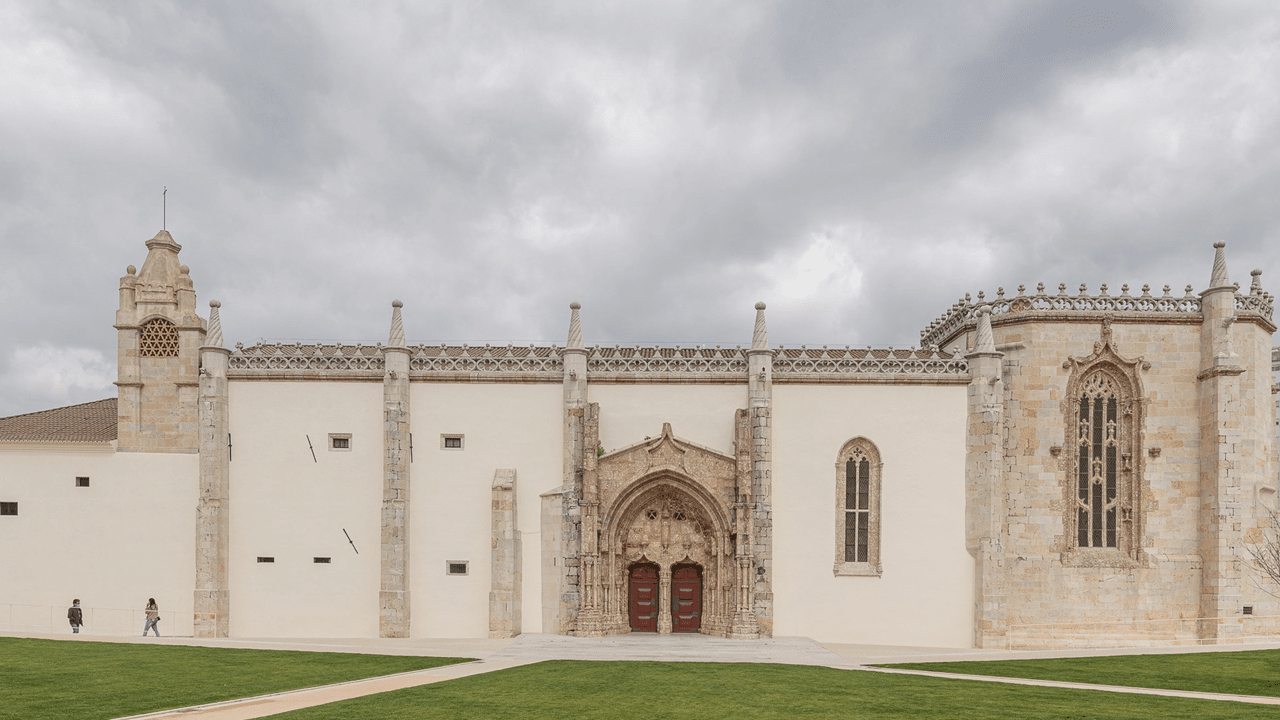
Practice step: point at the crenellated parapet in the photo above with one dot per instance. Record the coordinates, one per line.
(961, 316)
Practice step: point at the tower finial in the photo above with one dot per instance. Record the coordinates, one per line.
(575, 328)
(760, 335)
(1255, 288)
(1220, 278)
(213, 338)
(985, 341)
(396, 340)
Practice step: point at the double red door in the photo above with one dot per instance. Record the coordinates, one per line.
(644, 598)
(686, 599)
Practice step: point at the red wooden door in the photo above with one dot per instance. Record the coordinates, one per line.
(644, 598)
(686, 599)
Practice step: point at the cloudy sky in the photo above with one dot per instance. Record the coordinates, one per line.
(856, 165)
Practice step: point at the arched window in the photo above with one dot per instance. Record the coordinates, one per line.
(1103, 479)
(1098, 455)
(858, 472)
(158, 338)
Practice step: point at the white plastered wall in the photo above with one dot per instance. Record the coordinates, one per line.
(503, 426)
(925, 595)
(287, 505)
(703, 414)
(128, 536)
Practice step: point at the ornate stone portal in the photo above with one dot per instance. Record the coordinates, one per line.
(670, 504)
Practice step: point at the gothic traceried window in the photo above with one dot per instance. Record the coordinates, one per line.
(158, 338)
(1102, 489)
(858, 509)
(1097, 462)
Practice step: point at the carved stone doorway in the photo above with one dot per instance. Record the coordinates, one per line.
(644, 598)
(686, 598)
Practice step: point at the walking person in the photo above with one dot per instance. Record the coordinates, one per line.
(153, 618)
(75, 616)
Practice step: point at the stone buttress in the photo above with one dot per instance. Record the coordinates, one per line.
(393, 596)
(212, 605)
(505, 558)
(984, 482)
(760, 410)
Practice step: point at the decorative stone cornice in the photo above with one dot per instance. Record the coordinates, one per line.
(962, 316)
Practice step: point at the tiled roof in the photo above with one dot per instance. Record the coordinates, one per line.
(87, 422)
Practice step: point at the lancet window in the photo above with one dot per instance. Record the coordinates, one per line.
(858, 472)
(158, 338)
(1103, 473)
(1097, 462)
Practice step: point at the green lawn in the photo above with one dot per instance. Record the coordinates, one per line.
(563, 690)
(1256, 672)
(58, 680)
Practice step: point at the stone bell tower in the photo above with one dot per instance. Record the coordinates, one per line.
(158, 353)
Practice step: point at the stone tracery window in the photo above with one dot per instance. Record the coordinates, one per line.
(1097, 462)
(158, 338)
(858, 471)
(1103, 463)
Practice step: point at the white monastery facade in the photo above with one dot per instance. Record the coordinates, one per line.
(1049, 469)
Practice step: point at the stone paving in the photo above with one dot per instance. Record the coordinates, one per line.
(500, 654)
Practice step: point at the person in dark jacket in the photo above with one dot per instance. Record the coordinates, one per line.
(75, 616)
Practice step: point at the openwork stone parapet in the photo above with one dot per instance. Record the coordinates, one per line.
(303, 360)
(617, 364)
(822, 365)
(667, 364)
(1146, 307)
(531, 363)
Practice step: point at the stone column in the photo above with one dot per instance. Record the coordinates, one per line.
(760, 407)
(212, 607)
(591, 621)
(505, 559)
(739, 575)
(393, 596)
(1221, 511)
(664, 600)
(984, 486)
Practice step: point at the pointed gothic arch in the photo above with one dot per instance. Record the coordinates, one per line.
(1102, 485)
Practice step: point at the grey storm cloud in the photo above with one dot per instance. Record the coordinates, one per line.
(858, 166)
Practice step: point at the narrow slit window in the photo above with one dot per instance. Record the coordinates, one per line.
(321, 560)
(266, 559)
(457, 567)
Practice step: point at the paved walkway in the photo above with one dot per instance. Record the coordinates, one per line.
(527, 649)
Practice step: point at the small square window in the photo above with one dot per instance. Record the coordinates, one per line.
(340, 442)
(457, 567)
(266, 559)
(82, 482)
(451, 442)
(8, 508)
(320, 560)
(1248, 609)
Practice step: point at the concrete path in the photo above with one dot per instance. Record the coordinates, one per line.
(527, 649)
